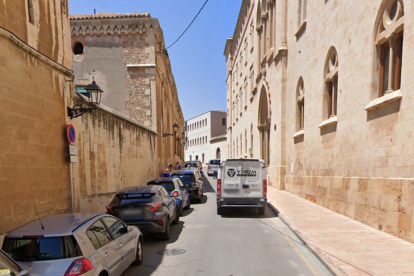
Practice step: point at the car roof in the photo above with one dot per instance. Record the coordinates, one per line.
(54, 225)
(161, 180)
(140, 189)
(186, 171)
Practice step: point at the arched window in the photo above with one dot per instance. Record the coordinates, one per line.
(300, 100)
(389, 40)
(31, 11)
(331, 80)
(78, 49)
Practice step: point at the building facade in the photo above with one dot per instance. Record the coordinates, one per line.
(35, 65)
(204, 134)
(322, 91)
(126, 55)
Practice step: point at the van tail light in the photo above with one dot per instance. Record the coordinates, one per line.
(175, 194)
(218, 187)
(264, 188)
(109, 209)
(154, 206)
(209, 167)
(78, 267)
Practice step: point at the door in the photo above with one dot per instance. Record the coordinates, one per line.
(252, 178)
(125, 239)
(231, 182)
(184, 193)
(169, 203)
(107, 247)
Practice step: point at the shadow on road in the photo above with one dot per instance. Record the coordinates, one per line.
(208, 188)
(187, 212)
(153, 248)
(235, 212)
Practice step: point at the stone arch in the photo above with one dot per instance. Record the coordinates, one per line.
(331, 70)
(263, 125)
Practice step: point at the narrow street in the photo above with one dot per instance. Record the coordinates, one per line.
(238, 243)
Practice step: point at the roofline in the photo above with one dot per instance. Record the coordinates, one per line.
(206, 113)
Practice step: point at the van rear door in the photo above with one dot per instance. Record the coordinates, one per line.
(242, 178)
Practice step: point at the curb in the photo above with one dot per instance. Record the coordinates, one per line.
(325, 260)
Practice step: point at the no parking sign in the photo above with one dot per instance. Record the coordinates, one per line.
(71, 133)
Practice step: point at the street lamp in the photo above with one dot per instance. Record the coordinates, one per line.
(175, 129)
(94, 95)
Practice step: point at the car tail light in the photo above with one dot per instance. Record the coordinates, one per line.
(154, 206)
(209, 167)
(218, 187)
(175, 194)
(109, 209)
(78, 267)
(264, 188)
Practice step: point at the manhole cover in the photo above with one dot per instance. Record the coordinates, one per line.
(171, 252)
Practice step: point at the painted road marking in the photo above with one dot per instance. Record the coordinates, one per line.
(311, 268)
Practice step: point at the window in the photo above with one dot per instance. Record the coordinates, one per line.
(300, 100)
(245, 141)
(223, 121)
(331, 80)
(116, 227)
(78, 49)
(389, 40)
(301, 12)
(251, 140)
(100, 232)
(30, 10)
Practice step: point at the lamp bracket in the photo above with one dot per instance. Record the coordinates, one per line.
(167, 134)
(78, 110)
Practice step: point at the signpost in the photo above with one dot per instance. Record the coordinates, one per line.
(73, 155)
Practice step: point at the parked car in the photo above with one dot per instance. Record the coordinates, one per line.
(242, 183)
(75, 244)
(193, 182)
(177, 190)
(213, 167)
(8, 267)
(194, 164)
(149, 207)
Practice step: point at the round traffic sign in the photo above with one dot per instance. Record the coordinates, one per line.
(71, 133)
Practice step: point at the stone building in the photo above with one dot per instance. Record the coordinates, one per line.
(322, 91)
(35, 76)
(125, 53)
(206, 136)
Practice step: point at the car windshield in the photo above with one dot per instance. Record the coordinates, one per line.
(192, 164)
(168, 185)
(7, 266)
(41, 248)
(185, 178)
(214, 162)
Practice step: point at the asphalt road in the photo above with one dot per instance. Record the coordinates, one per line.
(238, 243)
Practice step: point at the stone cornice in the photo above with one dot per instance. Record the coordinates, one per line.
(97, 27)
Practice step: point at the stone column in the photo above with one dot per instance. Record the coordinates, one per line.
(392, 41)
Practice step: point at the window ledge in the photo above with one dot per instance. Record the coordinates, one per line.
(384, 100)
(301, 28)
(299, 133)
(329, 122)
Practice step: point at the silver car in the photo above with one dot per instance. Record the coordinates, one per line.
(213, 167)
(75, 244)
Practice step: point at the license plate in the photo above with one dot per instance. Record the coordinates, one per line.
(133, 212)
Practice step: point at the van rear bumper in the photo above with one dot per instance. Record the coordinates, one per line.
(241, 202)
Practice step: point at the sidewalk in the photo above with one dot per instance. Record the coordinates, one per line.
(347, 246)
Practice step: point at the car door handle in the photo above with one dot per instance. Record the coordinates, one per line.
(106, 254)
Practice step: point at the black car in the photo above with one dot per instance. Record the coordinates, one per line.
(149, 207)
(192, 181)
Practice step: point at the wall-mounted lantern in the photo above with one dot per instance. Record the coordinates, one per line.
(175, 129)
(94, 95)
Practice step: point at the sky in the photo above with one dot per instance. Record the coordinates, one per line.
(197, 59)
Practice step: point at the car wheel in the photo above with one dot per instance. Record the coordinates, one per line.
(261, 210)
(180, 210)
(166, 235)
(219, 211)
(177, 217)
(188, 204)
(140, 254)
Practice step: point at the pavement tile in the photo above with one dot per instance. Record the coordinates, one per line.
(347, 246)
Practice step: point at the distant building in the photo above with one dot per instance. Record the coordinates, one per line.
(206, 136)
(126, 53)
(323, 92)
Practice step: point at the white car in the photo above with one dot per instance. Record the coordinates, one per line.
(8, 267)
(75, 244)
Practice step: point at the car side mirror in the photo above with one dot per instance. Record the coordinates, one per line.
(129, 228)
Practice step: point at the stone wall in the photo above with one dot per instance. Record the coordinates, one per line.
(114, 152)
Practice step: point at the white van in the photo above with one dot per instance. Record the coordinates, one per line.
(242, 183)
